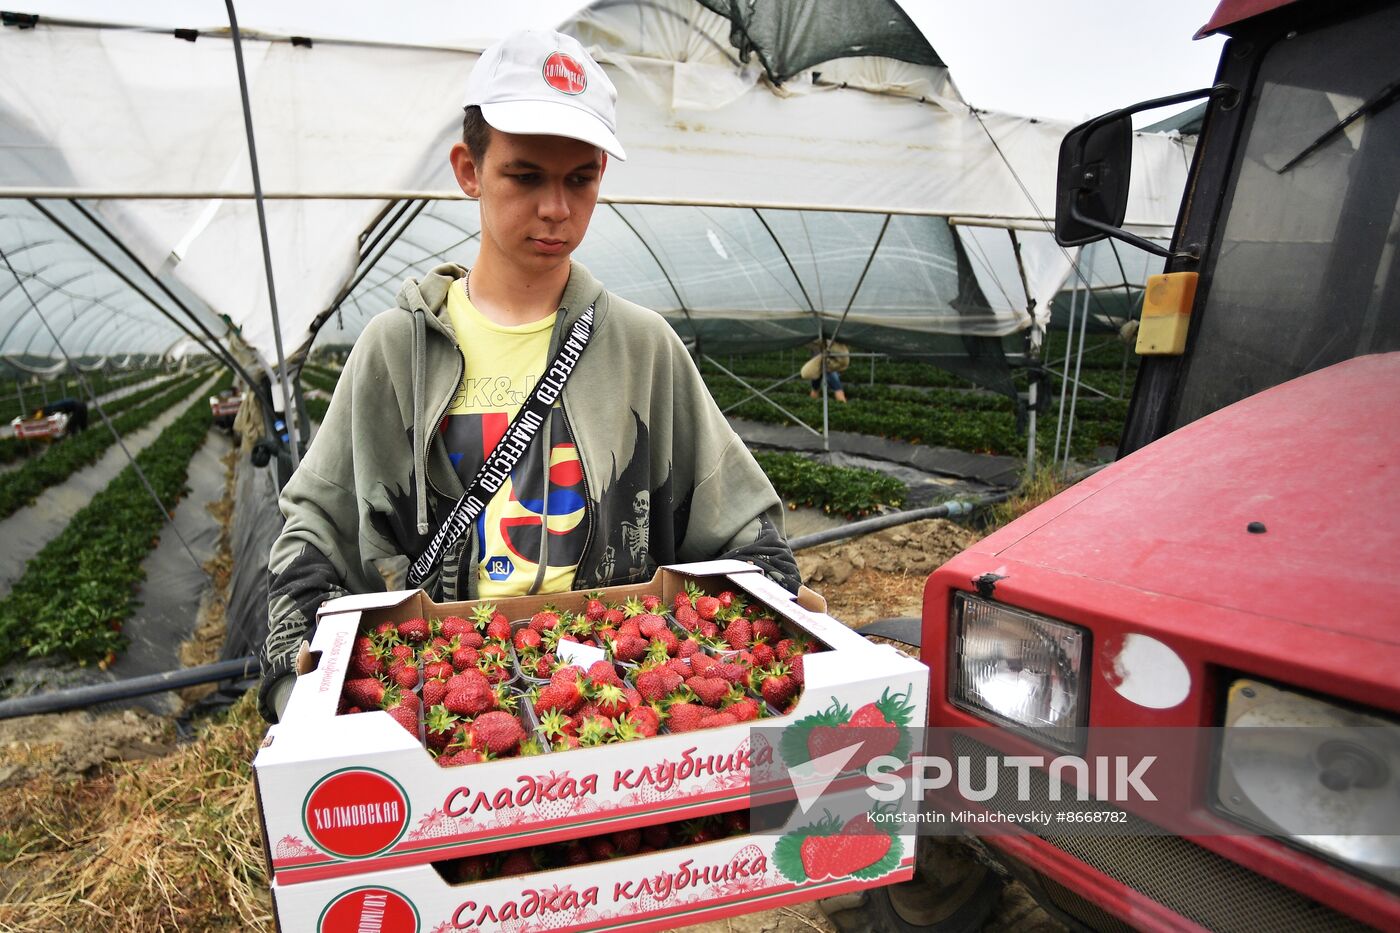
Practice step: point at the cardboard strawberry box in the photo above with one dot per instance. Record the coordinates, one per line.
(604, 889)
(348, 794)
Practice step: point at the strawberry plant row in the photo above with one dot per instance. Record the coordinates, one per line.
(12, 449)
(847, 491)
(317, 378)
(76, 593)
(101, 383)
(977, 431)
(316, 409)
(21, 487)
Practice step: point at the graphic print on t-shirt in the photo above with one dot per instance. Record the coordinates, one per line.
(531, 508)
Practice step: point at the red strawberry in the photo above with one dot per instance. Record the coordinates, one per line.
(498, 628)
(594, 608)
(668, 638)
(651, 602)
(456, 627)
(795, 669)
(614, 616)
(682, 599)
(564, 697)
(434, 692)
(645, 720)
(463, 756)
(702, 663)
(602, 672)
(439, 670)
(403, 707)
(601, 848)
(767, 629)
(439, 726)
(404, 675)
(745, 710)
(611, 701)
(414, 631)
(628, 841)
(544, 619)
(526, 639)
(497, 732)
(686, 717)
(629, 648)
(687, 618)
(658, 836)
(465, 657)
(729, 671)
(689, 648)
(707, 629)
(651, 624)
(739, 633)
(707, 606)
(544, 667)
(364, 659)
(714, 720)
(575, 853)
(470, 695)
(709, 690)
(472, 639)
(656, 685)
(519, 862)
(763, 654)
(777, 688)
(364, 692)
(567, 675)
(726, 599)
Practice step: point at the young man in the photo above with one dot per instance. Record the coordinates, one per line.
(631, 467)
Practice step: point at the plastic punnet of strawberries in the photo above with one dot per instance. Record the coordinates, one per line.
(598, 848)
(468, 710)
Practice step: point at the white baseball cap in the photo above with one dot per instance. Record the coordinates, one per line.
(544, 83)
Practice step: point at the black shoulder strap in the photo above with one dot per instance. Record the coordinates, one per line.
(508, 450)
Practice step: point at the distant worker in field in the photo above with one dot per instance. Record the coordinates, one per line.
(575, 422)
(838, 358)
(75, 410)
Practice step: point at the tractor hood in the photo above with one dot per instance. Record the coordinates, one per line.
(1284, 505)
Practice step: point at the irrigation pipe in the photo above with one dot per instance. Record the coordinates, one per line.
(57, 701)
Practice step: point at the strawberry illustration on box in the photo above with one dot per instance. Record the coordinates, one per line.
(495, 757)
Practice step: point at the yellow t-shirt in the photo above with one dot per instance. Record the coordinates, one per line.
(502, 366)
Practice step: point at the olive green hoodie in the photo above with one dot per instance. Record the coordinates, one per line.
(667, 479)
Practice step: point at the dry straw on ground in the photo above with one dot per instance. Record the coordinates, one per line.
(167, 844)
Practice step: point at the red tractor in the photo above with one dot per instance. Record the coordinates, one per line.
(1239, 564)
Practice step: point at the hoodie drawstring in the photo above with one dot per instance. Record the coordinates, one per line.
(420, 459)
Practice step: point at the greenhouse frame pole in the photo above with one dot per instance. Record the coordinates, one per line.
(288, 399)
(1032, 393)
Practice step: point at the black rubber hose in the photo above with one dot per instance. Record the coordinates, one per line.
(57, 701)
(880, 522)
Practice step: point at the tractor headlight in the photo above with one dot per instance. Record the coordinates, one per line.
(1324, 776)
(1020, 669)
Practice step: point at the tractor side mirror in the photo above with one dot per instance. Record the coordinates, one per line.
(1091, 194)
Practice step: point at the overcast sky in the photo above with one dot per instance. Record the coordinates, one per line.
(1065, 59)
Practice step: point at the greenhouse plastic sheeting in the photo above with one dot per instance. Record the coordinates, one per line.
(111, 111)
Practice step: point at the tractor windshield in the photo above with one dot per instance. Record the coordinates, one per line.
(1306, 270)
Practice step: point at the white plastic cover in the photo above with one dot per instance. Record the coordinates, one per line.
(141, 113)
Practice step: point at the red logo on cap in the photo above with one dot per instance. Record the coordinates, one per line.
(563, 73)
